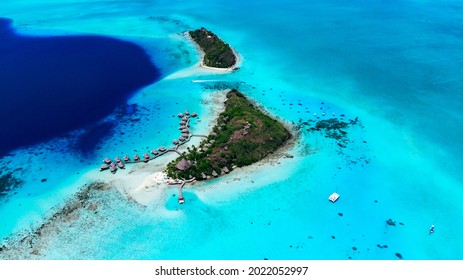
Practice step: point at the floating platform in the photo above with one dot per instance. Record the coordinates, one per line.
(333, 197)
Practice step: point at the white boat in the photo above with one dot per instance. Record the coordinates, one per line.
(333, 197)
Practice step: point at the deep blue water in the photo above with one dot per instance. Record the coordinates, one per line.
(52, 85)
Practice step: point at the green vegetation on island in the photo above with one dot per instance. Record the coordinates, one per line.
(218, 54)
(242, 136)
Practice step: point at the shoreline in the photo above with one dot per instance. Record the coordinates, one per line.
(150, 185)
(232, 68)
(199, 68)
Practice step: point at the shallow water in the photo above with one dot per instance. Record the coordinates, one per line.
(393, 65)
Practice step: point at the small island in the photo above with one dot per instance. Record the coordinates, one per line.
(217, 54)
(242, 136)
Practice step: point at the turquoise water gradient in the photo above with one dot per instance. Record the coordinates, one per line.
(396, 65)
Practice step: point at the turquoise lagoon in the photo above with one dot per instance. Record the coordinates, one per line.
(396, 65)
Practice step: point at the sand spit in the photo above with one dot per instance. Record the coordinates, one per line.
(200, 69)
(84, 208)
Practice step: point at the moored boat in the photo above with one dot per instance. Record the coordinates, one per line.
(333, 197)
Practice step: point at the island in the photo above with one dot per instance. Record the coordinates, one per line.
(217, 54)
(242, 136)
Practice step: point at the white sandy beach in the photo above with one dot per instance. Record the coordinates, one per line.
(200, 69)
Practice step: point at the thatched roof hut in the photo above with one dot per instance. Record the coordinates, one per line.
(104, 166)
(183, 165)
(126, 158)
(136, 157)
(215, 173)
(225, 169)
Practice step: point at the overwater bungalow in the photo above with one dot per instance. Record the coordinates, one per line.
(181, 200)
(215, 173)
(121, 165)
(107, 160)
(155, 152)
(182, 139)
(182, 122)
(180, 115)
(162, 149)
(118, 159)
(104, 166)
(185, 119)
(185, 130)
(136, 157)
(126, 159)
(175, 141)
(113, 168)
(185, 135)
(194, 115)
(187, 113)
(146, 156)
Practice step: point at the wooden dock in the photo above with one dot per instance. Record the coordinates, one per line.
(181, 199)
(185, 137)
(109, 164)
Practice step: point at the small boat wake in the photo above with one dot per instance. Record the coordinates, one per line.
(206, 81)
